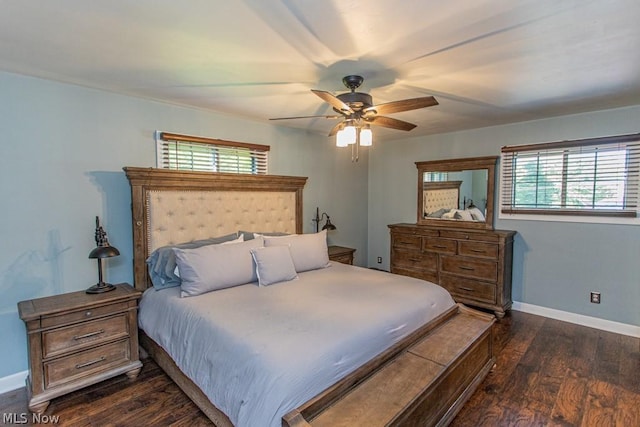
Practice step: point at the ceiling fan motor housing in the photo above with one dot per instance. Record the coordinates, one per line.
(356, 100)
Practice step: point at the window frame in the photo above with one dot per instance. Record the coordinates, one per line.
(257, 153)
(627, 213)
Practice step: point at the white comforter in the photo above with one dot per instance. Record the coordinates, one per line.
(258, 352)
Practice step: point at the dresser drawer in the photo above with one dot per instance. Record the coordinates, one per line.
(478, 249)
(443, 246)
(468, 235)
(88, 362)
(470, 267)
(72, 338)
(410, 241)
(469, 288)
(428, 275)
(81, 315)
(414, 259)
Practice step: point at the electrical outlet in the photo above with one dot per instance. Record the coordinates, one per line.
(595, 297)
(379, 260)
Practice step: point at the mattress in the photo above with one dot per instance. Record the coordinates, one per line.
(258, 352)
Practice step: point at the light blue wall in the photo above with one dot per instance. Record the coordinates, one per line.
(64, 148)
(556, 265)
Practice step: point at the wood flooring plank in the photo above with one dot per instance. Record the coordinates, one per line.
(627, 412)
(569, 404)
(600, 404)
(629, 367)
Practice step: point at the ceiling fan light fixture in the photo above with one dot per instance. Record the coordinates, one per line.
(346, 136)
(366, 136)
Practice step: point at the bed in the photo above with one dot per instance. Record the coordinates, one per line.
(311, 351)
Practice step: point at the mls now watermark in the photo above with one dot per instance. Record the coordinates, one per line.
(29, 418)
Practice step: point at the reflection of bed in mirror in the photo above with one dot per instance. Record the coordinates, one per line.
(442, 200)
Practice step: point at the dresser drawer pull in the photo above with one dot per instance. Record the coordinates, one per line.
(467, 289)
(91, 334)
(439, 247)
(478, 251)
(92, 362)
(88, 313)
(462, 267)
(415, 259)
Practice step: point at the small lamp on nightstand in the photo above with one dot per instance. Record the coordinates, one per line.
(104, 250)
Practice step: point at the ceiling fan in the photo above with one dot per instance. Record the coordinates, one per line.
(357, 108)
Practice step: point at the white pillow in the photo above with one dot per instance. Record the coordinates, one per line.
(213, 267)
(240, 239)
(476, 214)
(464, 215)
(308, 251)
(273, 265)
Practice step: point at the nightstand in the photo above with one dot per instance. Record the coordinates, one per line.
(77, 339)
(341, 254)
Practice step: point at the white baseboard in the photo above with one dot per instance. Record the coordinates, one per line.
(579, 319)
(13, 382)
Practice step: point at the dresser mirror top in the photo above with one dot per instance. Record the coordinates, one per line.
(457, 193)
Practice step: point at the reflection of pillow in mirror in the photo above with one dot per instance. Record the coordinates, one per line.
(449, 215)
(464, 215)
(438, 213)
(476, 214)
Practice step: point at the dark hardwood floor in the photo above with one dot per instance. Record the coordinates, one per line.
(548, 373)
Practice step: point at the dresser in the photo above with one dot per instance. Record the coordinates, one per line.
(473, 265)
(77, 339)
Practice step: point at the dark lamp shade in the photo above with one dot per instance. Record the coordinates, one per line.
(328, 225)
(104, 252)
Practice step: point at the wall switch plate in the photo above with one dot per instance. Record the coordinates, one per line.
(379, 260)
(595, 297)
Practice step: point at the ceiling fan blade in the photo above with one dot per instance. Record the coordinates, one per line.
(333, 101)
(307, 117)
(403, 105)
(388, 122)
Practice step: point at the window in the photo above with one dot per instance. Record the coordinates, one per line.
(589, 177)
(184, 152)
(436, 176)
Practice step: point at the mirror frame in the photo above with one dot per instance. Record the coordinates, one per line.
(455, 165)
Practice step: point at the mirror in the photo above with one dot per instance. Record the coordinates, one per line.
(457, 193)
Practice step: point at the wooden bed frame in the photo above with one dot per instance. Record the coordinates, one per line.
(422, 380)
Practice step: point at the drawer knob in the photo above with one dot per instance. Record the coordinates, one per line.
(88, 313)
(92, 362)
(463, 267)
(466, 289)
(90, 334)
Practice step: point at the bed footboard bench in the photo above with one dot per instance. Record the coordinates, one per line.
(425, 384)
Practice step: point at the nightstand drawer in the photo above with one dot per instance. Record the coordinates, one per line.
(81, 315)
(72, 338)
(89, 362)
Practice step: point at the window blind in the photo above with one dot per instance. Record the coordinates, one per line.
(598, 176)
(186, 152)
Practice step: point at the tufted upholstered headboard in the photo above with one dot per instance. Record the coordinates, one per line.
(172, 207)
(441, 195)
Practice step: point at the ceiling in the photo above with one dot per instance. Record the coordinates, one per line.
(487, 62)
